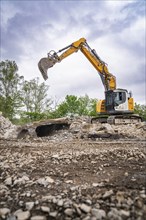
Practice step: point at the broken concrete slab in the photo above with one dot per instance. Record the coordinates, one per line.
(7, 129)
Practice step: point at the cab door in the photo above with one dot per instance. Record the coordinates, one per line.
(116, 101)
(120, 101)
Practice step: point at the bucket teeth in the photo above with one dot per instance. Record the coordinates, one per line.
(44, 64)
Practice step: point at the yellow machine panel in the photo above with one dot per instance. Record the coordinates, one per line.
(131, 104)
(100, 106)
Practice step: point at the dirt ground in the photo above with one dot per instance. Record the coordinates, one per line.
(71, 169)
(80, 179)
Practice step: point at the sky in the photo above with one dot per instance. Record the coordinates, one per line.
(115, 29)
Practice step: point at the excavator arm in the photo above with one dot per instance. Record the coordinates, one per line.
(108, 80)
(118, 104)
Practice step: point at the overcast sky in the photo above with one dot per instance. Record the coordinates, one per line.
(115, 29)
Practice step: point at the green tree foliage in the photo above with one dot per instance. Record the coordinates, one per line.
(18, 97)
(10, 85)
(72, 105)
(28, 99)
(34, 96)
(140, 110)
(69, 106)
(92, 107)
(34, 99)
(31, 116)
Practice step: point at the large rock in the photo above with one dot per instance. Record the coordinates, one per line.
(7, 129)
(43, 128)
(22, 215)
(4, 211)
(97, 130)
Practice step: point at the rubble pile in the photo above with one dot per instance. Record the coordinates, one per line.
(78, 171)
(7, 129)
(82, 128)
(68, 129)
(72, 182)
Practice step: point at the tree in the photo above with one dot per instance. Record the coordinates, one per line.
(76, 106)
(10, 86)
(34, 99)
(87, 106)
(68, 107)
(92, 107)
(140, 110)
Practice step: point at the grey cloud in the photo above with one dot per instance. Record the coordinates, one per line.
(63, 17)
(9, 44)
(25, 26)
(135, 8)
(137, 77)
(118, 24)
(33, 18)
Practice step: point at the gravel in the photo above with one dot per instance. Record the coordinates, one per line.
(88, 179)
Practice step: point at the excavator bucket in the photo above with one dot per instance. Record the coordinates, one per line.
(44, 64)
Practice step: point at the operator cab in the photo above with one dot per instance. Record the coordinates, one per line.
(117, 100)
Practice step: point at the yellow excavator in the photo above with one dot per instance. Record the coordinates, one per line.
(118, 105)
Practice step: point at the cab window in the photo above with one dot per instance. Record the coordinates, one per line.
(120, 97)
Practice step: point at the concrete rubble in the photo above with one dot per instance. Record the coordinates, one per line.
(70, 129)
(35, 184)
(7, 129)
(79, 172)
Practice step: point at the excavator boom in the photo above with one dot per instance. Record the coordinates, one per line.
(108, 80)
(118, 103)
(46, 63)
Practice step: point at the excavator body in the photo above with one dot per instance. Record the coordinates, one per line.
(118, 105)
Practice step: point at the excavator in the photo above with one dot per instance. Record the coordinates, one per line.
(118, 105)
